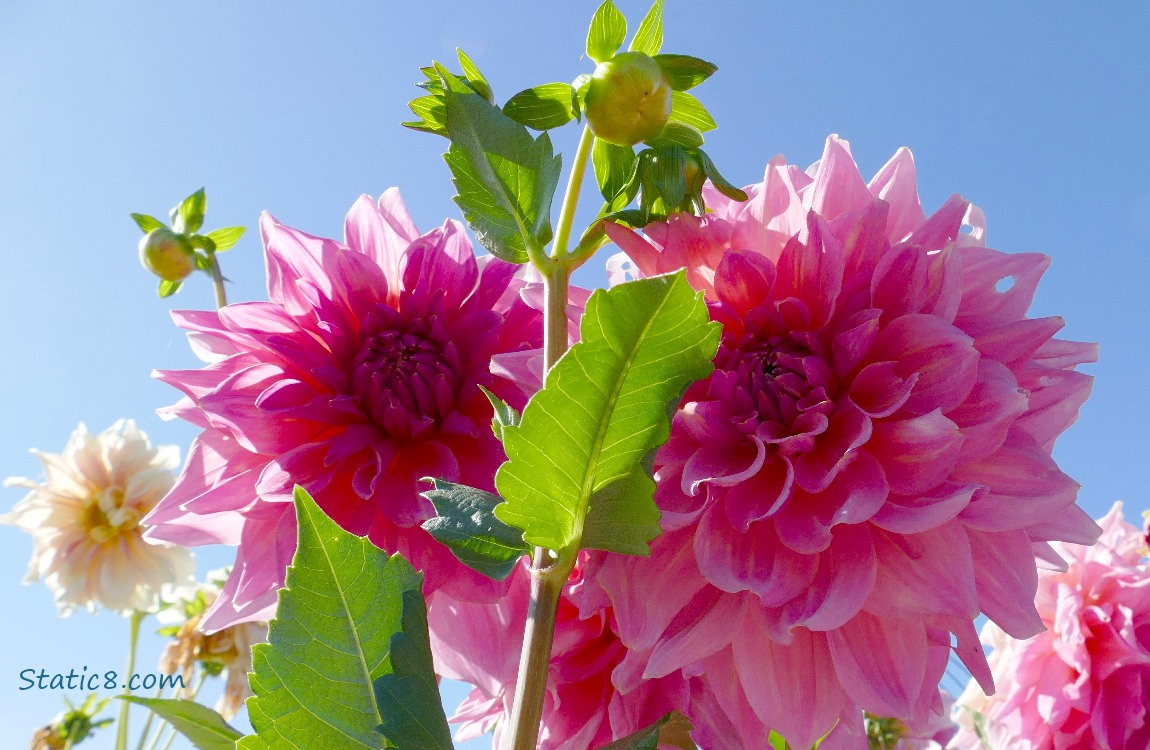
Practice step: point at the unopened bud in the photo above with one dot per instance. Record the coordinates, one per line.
(167, 254)
(628, 99)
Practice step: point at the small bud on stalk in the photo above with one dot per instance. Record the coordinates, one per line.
(628, 99)
(167, 254)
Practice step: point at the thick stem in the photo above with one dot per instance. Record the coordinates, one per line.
(134, 638)
(548, 575)
(218, 282)
(547, 579)
(574, 185)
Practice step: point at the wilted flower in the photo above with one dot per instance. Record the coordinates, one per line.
(869, 466)
(85, 521)
(225, 651)
(481, 644)
(1085, 681)
(359, 377)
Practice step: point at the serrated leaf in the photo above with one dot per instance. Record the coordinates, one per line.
(408, 696)
(188, 217)
(225, 237)
(683, 71)
(543, 107)
(649, 38)
(474, 77)
(677, 134)
(467, 525)
(687, 109)
(202, 726)
(607, 32)
(329, 642)
(168, 288)
(577, 475)
(504, 415)
(718, 180)
(505, 179)
(147, 223)
(614, 167)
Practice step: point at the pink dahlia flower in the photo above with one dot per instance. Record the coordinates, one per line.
(1085, 682)
(359, 377)
(869, 466)
(481, 644)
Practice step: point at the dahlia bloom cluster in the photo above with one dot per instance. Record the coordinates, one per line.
(868, 468)
(85, 521)
(1085, 681)
(356, 379)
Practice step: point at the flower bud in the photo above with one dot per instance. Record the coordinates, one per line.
(628, 99)
(167, 254)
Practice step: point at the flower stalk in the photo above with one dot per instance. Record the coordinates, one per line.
(133, 640)
(218, 282)
(549, 572)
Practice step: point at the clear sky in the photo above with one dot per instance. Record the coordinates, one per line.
(1036, 112)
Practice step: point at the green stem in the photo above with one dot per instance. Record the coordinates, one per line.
(218, 282)
(547, 579)
(548, 574)
(134, 639)
(574, 185)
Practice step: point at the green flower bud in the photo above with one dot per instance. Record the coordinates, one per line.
(167, 254)
(628, 99)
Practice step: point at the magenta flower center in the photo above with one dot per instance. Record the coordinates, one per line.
(405, 374)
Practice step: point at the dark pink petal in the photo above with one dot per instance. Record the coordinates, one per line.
(924, 574)
(917, 454)
(943, 357)
(880, 391)
(754, 560)
(881, 662)
(744, 280)
(812, 271)
(1006, 579)
(942, 227)
(843, 581)
(793, 689)
(983, 269)
(986, 415)
(918, 513)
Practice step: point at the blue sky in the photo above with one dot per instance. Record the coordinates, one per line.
(1035, 113)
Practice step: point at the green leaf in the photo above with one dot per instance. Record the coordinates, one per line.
(504, 177)
(578, 469)
(581, 83)
(504, 416)
(147, 223)
(614, 167)
(432, 113)
(329, 642)
(644, 739)
(633, 218)
(203, 727)
(168, 288)
(777, 742)
(474, 77)
(677, 134)
(649, 38)
(188, 217)
(687, 109)
(718, 180)
(543, 107)
(225, 237)
(668, 174)
(408, 695)
(683, 71)
(607, 32)
(467, 525)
